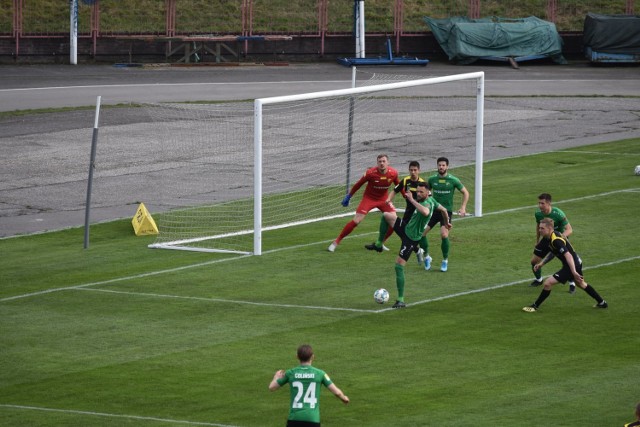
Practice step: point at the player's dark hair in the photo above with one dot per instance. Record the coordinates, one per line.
(443, 159)
(414, 163)
(305, 353)
(382, 155)
(423, 184)
(545, 196)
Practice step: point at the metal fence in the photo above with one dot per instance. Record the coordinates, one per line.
(22, 19)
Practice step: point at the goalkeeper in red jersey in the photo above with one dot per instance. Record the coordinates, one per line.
(378, 179)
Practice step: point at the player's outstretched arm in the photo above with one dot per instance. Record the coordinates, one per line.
(273, 385)
(445, 215)
(567, 230)
(392, 195)
(338, 393)
(422, 209)
(357, 185)
(572, 266)
(543, 261)
(465, 198)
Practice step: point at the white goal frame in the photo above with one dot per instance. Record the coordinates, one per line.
(258, 130)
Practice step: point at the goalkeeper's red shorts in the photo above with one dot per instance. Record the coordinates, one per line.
(366, 205)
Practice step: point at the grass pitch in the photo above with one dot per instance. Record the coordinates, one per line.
(121, 335)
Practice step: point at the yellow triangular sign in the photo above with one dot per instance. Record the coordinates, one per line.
(142, 223)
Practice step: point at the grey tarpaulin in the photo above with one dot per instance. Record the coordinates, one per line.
(612, 33)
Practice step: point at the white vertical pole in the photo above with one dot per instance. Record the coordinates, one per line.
(360, 30)
(350, 131)
(479, 144)
(353, 76)
(92, 166)
(257, 178)
(73, 32)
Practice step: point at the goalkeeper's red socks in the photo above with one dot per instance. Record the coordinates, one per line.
(346, 230)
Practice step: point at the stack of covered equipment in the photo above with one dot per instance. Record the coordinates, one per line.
(466, 40)
(612, 38)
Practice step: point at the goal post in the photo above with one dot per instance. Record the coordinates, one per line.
(258, 142)
(232, 173)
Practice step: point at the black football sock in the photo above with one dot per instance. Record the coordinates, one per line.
(543, 296)
(593, 293)
(537, 274)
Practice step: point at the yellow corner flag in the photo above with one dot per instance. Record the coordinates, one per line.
(143, 223)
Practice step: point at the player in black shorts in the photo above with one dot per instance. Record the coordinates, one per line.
(571, 269)
(560, 224)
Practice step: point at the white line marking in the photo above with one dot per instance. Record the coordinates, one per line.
(459, 294)
(196, 423)
(504, 285)
(102, 414)
(266, 304)
(244, 83)
(28, 89)
(120, 279)
(577, 199)
(171, 270)
(598, 153)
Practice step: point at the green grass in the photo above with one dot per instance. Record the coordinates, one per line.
(279, 16)
(139, 336)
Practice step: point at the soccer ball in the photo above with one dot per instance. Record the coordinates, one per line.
(637, 171)
(381, 296)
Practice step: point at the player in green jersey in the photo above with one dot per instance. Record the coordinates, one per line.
(410, 231)
(561, 225)
(560, 248)
(443, 186)
(304, 382)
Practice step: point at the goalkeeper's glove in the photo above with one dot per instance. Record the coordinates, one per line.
(345, 201)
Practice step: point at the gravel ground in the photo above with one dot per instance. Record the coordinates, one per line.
(43, 169)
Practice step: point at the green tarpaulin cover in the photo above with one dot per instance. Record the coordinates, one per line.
(465, 40)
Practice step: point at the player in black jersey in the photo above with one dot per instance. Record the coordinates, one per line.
(560, 247)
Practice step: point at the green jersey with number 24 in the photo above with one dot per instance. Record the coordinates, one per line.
(304, 382)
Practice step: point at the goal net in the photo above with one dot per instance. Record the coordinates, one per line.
(234, 173)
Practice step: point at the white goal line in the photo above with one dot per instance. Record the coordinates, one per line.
(176, 244)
